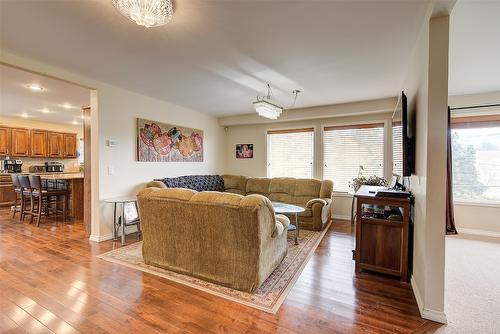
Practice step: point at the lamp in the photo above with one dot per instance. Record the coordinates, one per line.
(147, 13)
(267, 109)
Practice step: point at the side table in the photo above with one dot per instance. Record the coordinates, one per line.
(119, 221)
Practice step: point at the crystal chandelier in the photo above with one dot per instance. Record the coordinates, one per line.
(147, 13)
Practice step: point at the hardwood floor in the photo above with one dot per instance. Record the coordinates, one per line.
(51, 281)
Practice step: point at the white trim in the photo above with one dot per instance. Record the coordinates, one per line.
(492, 204)
(341, 217)
(426, 313)
(484, 111)
(100, 238)
(342, 194)
(492, 234)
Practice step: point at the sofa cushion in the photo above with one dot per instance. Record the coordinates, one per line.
(195, 182)
(235, 183)
(284, 185)
(307, 187)
(258, 185)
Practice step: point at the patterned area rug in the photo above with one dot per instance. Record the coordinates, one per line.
(268, 297)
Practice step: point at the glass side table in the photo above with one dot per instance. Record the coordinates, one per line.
(119, 222)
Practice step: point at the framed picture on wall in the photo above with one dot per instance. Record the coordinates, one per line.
(244, 151)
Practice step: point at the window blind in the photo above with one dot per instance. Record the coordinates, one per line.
(397, 149)
(349, 150)
(290, 153)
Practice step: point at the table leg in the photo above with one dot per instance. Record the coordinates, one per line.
(115, 230)
(123, 224)
(298, 228)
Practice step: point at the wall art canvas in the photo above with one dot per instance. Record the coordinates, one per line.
(162, 142)
(244, 151)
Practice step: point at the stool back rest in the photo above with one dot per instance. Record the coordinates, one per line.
(15, 181)
(24, 182)
(36, 182)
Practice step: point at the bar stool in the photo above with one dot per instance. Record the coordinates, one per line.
(17, 202)
(42, 198)
(25, 192)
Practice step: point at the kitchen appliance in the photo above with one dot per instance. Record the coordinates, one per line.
(37, 169)
(13, 166)
(54, 167)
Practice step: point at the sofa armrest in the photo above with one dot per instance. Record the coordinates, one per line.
(156, 184)
(316, 200)
(281, 225)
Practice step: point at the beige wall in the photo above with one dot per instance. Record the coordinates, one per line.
(427, 86)
(114, 113)
(256, 134)
(69, 164)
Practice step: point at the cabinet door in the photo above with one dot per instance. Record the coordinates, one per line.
(4, 141)
(20, 139)
(69, 145)
(7, 193)
(55, 144)
(38, 139)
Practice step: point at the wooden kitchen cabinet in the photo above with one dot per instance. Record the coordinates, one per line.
(69, 145)
(7, 193)
(20, 142)
(55, 144)
(38, 140)
(4, 141)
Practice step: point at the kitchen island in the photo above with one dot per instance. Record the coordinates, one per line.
(72, 180)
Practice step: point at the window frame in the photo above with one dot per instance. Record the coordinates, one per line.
(387, 147)
(468, 120)
(291, 130)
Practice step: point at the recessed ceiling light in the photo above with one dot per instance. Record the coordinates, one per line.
(82, 116)
(35, 87)
(74, 123)
(25, 115)
(45, 111)
(66, 105)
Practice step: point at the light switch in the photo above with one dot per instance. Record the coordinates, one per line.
(112, 143)
(111, 170)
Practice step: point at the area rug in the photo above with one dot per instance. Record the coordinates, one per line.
(268, 297)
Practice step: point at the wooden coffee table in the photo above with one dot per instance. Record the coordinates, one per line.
(285, 208)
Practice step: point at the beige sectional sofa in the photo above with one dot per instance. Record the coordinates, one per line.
(314, 195)
(230, 239)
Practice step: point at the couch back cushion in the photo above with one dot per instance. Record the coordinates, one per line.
(258, 185)
(235, 184)
(195, 182)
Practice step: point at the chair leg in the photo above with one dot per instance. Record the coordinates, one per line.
(15, 207)
(65, 206)
(39, 211)
(32, 207)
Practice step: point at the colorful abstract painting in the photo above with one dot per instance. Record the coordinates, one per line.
(166, 142)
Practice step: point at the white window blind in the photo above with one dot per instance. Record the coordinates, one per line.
(397, 149)
(346, 148)
(290, 153)
(476, 158)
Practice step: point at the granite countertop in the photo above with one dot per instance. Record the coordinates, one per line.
(59, 176)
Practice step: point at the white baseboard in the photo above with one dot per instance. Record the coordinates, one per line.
(109, 236)
(479, 232)
(100, 238)
(341, 217)
(426, 313)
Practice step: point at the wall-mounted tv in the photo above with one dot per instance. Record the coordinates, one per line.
(408, 136)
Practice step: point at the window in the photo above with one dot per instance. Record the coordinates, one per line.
(351, 150)
(476, 158)
(397, 149)
(290, 153)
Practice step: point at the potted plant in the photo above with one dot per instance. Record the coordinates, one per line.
(361, 180)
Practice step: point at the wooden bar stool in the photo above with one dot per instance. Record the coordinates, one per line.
(25, 192)
(43, 198)
(17, 202)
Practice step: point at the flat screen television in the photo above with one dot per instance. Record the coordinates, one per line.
(408, 136)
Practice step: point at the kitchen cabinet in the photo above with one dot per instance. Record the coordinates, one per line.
(69, 145)
(55, 145)
(5, 134)
(38, 140)
(7, 193)
(20, 142)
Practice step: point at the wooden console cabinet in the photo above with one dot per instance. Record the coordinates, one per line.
(382, 242)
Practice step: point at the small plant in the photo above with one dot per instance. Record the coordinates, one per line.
(374, 180)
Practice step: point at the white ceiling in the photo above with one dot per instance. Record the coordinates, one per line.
(216, 56)
(474, 47)
(16, 99)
